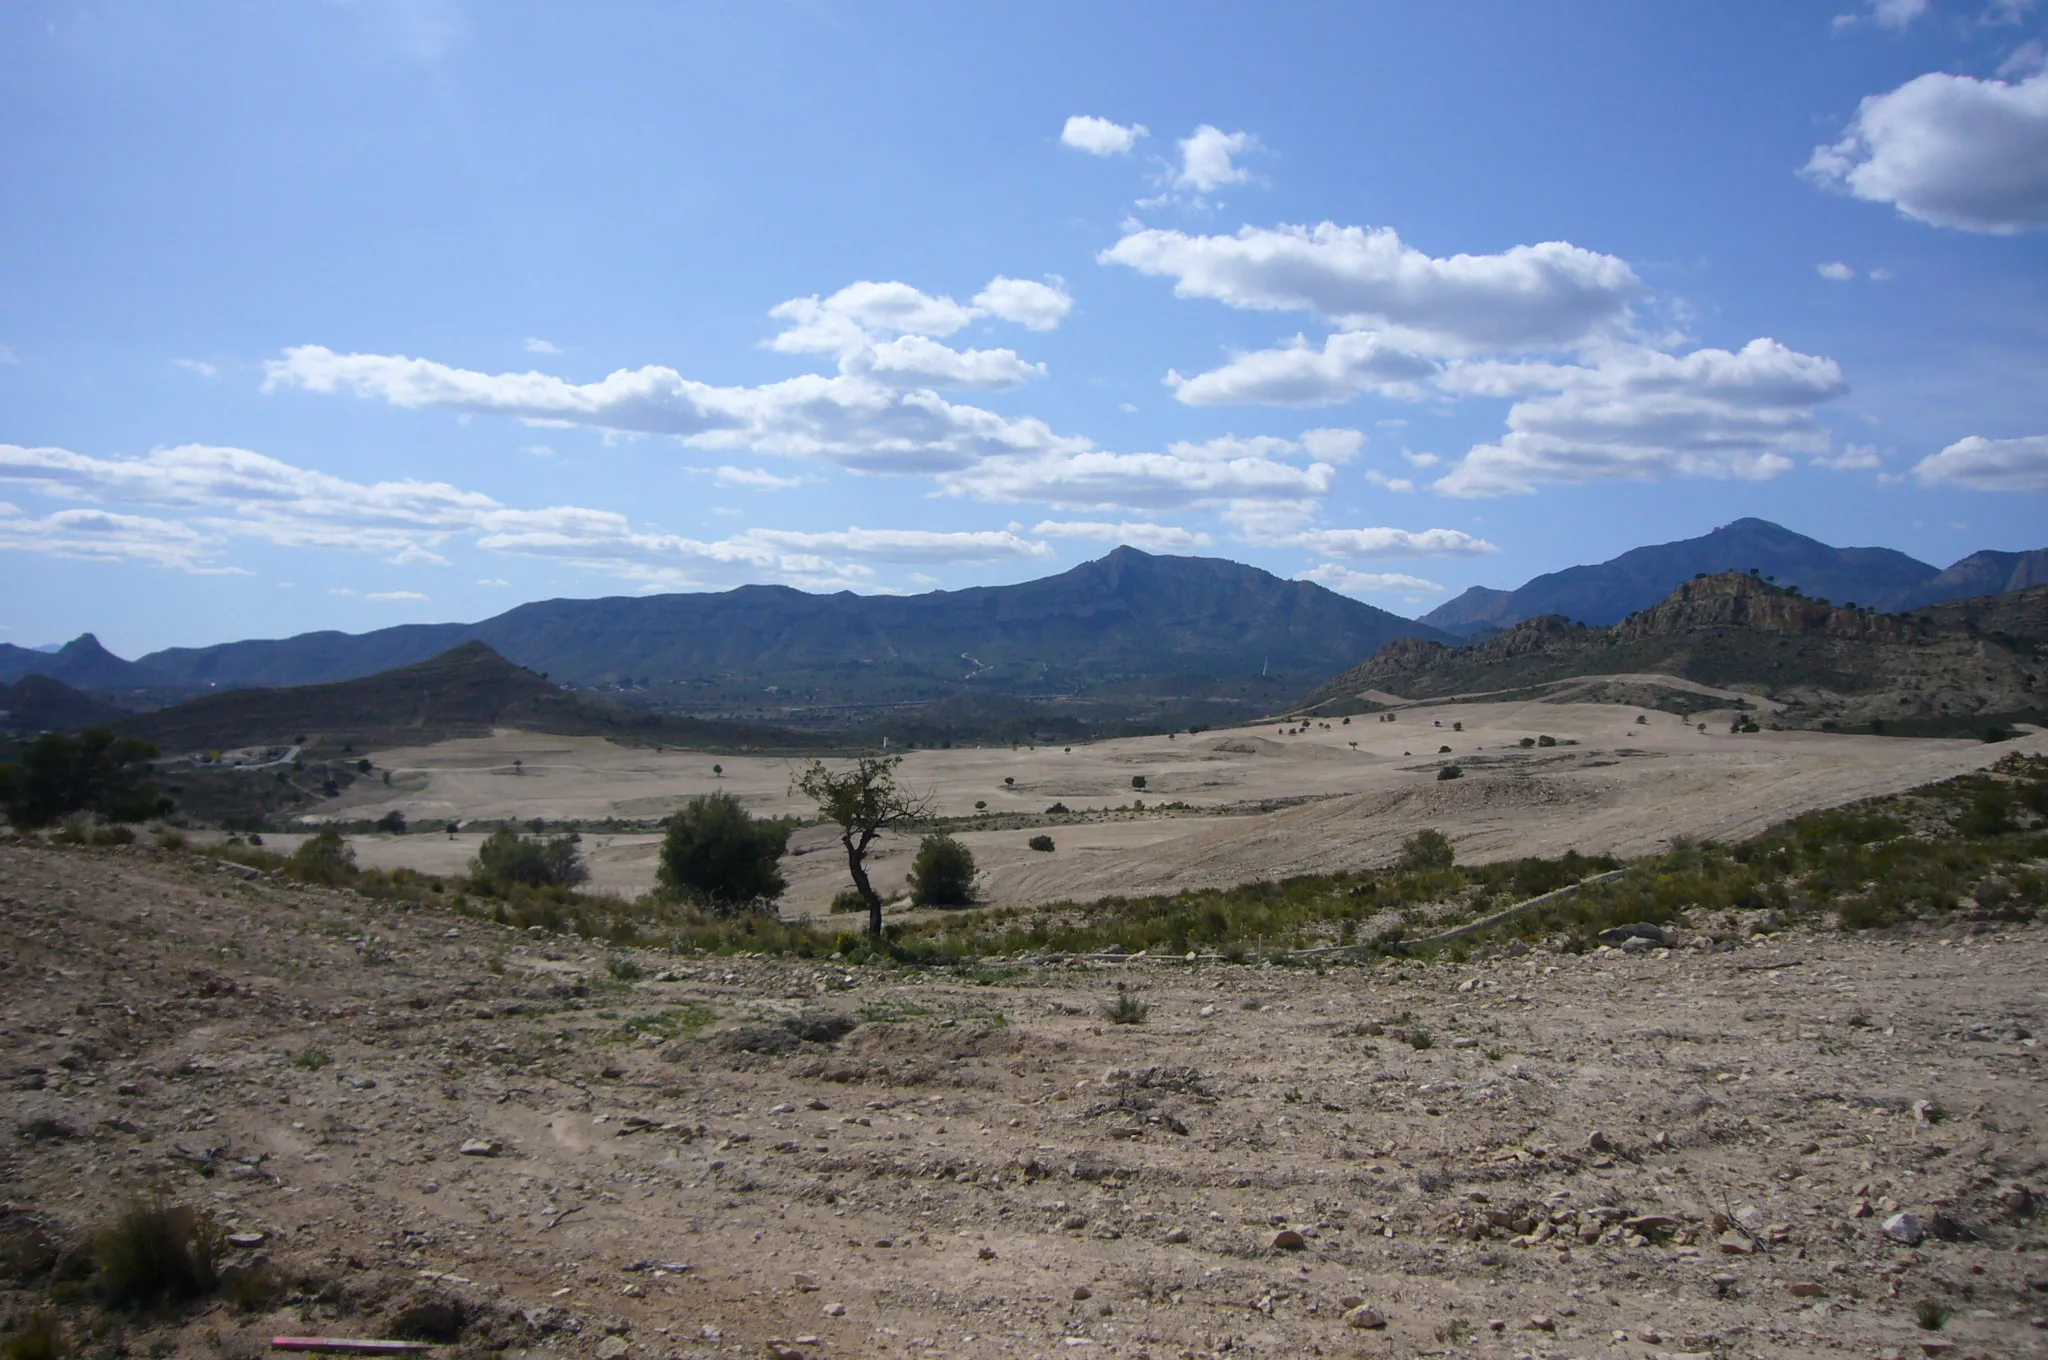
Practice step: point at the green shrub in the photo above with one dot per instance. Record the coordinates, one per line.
(942, 875)
(715, 854)
(1040, 843)
(38, 1338)
(155, 1254)
(846, 900)
(1426, 849)
(392, 822)
(1449, 772)
(1126, 1009)
(323, 858)
(1137, 781)
(507, 859)
(94, 771)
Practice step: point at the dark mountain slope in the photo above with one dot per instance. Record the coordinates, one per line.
(1827, 664)
(81, 663)
(464, 692)
(1986, 573)
(308, 659)
(1610, 591)
(38, 703)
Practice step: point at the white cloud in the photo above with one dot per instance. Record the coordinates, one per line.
(1988, 464)
(850, 420)
(861, 310)
(1033, 305)
(396, 597)
(1099, 136)
(1539, 296)
(1206, 163)
(493, 581)
(94, 535)
(1346, 581)
(1334, 445)
(907, 545)
(1348, 364)
(755, 477)
(196, 366)
(1381, 479)
(538, 450)
(1358, 544)
(413, 555)
(1639, 414)
(536, 345)
(914, 361)
(1835, 271)
(1850, 458)
(2029, 58)
(1421, 460)
(2000, 12)
(1183, 478)
(1896, 15)
(1949, 150)
(342, 590)
(1162, 538)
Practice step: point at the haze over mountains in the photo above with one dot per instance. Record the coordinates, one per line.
(1606, 593)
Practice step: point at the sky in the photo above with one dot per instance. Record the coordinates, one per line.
(351, 313)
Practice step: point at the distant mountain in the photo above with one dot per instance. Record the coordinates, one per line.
(1145, 626)
(81, 663)
(37, 703)
(464, 692)
(1610, 591)
(2017, 617)
(1827, 664)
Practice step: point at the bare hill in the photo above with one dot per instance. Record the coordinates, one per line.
(1825, 664)
(465, 692)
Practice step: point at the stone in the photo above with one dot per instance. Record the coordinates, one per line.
(1641, 930)
(1596, 1141)
(1905, 1228)
(986, 1253)
(1650, 1225)
(1733, 1243)
(478, 1147)
(613, 1348)
(1082, 1293)
(1807, 1289)
(835, 1310)
(1177, 1236)
(246, 1239)
(1074, 1222)
(1539, 1323)
(1366, 1318)
(1287, 1239)
(804, 1282)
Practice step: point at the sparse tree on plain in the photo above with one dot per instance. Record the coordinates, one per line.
(717, 854)
(863, 801)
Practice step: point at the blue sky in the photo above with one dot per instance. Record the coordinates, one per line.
(346, 314)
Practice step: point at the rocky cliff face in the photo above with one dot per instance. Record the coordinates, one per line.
(1736, 600)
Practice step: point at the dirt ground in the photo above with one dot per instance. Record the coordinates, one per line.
(1683, 1152)
(1259, 803)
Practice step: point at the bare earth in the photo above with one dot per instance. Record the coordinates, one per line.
(995, 1169)
(1624, 788)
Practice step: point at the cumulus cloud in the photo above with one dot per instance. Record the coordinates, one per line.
(1348, 364)
(1850, 458)
(1359, 544)
(1187, 476)
(851, 420)
(1988, 464)
(494, 581)
(1639, 414)
(1836, 272)
(1346, 581)
(758, 478)
(859, 310)
(1099, 136)
(1206, 159)
(396, 597)
(536, 345)
(197, 367)
(1033, 305)
(1949, 150)
(1164, 538)
(1540, 296)
(1896, 15)
(236, 493)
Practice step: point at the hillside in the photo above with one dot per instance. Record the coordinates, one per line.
(81, 663)
(38, 703)
(1131, 631)
(1607, 592)
(464, 692)
(1824, 663)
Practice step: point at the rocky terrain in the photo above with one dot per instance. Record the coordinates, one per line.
(1780, 1144)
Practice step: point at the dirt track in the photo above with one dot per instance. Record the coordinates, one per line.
(952, 1173)
(1624, 787)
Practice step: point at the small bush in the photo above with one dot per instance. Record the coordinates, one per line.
(325, 858)
(1137, 781)
(1040, 843)
(715, 854)
(392, 822)
(312, 1059)
(1420, 1039)
(1428, 848)
(170, 838)
(1058, 807)
(40, 1338)
(942, 875)
(157, 1254)
(1449, 772)
(848, 900)
(1126, 1009)
(507, 858)
(1930, 1315)
(625, 970)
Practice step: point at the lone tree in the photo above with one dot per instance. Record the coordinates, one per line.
(716, 854)
(863, 801)
(942, 875)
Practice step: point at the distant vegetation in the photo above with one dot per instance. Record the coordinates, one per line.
(94, 772)
(717, 856)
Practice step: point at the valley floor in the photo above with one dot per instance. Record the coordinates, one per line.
(1682, 1152)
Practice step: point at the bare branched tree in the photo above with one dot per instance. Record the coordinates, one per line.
(863, 801)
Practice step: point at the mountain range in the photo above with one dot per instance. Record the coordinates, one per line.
(1940, 669)
(1606, 593)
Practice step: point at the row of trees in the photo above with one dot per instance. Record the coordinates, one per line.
(719, 856)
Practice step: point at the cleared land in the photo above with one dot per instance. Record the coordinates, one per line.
(1258, 803)
(1680, 1151)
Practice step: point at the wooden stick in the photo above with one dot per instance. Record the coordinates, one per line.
(346, 1345)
